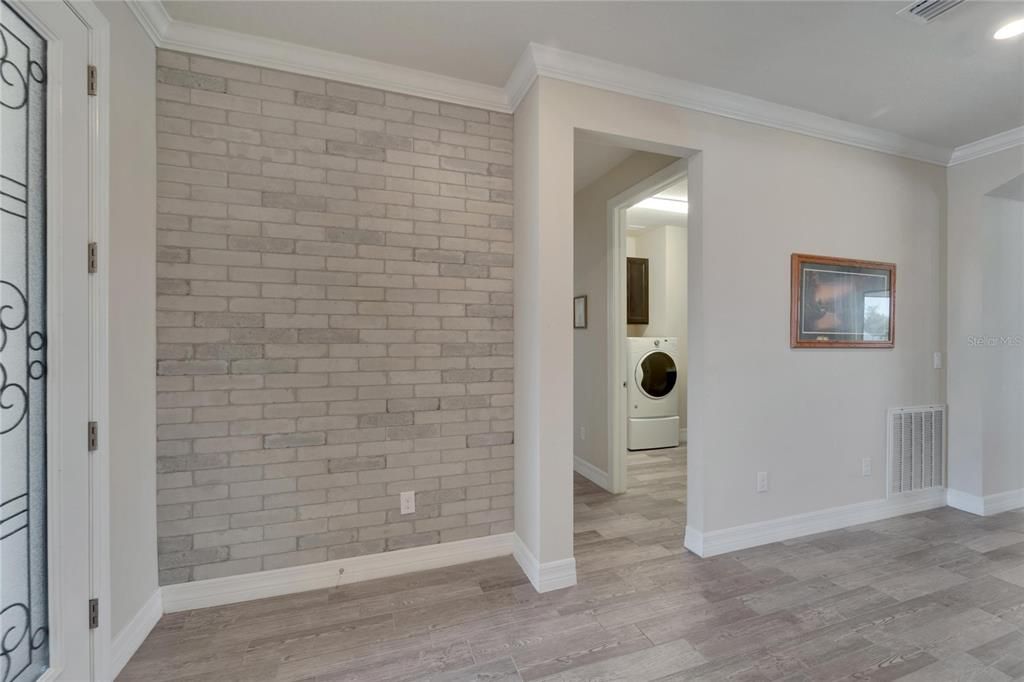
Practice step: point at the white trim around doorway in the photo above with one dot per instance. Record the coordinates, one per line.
(99, 295)
(618, 371)
(98, 29)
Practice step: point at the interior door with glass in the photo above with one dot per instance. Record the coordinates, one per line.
(44, 344)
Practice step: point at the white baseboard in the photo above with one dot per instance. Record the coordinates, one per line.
(987, 505)
(130, 638)
(972, 504)
(1003, 502)
(765, 532)
(591, 472)
(553, 575)
(693, 540)
(237, 588)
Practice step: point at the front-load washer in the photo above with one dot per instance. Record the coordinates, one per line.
(653, 393)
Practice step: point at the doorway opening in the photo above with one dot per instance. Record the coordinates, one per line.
(630, 354)
(654, 229)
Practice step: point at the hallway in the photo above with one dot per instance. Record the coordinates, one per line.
(644, 523)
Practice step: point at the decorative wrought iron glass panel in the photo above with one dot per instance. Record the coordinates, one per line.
(24, 645)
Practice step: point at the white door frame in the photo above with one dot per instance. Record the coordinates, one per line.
(98, 30)
(618, 364)
(99, 295)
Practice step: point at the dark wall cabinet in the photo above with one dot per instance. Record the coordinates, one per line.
(637, 291)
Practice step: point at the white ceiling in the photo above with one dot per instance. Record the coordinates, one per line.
(643, 218)
(946, 83)
(679, 191)
(591, 160)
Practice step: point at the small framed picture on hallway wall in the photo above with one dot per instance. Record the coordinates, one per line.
(842, 303)
(579, 312)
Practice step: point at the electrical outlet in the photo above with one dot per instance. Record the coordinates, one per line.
(865, 466)
(762, 481)
(583, 433)
(408, 502)
(937, 360)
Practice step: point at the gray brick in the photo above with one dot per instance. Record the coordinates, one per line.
(262, 548)
(226, 568)
(307, 556)
(334, 314)
(227, 537)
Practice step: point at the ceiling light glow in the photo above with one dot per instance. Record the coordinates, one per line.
(668, 205)
(1010, 30)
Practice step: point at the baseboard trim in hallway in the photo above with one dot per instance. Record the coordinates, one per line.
(553, 575)
(591, 473)
(130, 638)
(239, 588)
(789, 527)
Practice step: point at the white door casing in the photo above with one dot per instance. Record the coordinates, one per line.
(68, 339)
(619, 369)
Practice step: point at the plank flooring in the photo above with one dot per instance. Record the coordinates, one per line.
(927, 597)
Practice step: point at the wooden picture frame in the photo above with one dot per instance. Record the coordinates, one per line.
(579, 312)
(841, 303)
(637, 291)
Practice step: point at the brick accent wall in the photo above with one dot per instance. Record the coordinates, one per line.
(334, 319)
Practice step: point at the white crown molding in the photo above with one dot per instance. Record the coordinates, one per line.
(218, 43)
(276, 54)
(519, 82)
(247, 586)
(569, 66)
(990, 145)
(539, 60)
(153, 17)
(132, 635)
(727, 540)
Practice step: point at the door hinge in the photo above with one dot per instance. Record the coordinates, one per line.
(94, 436)
(91, 80)
(94, 614)
(94, 258)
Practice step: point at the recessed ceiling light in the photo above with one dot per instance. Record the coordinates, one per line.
(659, 204)
(1010, 30)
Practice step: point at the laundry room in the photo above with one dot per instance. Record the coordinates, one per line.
(656, 317)
(630, 349)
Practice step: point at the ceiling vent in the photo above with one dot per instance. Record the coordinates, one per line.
(926, 11)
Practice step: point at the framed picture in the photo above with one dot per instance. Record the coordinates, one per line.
(842, 303)
(579, 312)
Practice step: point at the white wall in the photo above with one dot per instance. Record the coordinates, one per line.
(132, 305)
(529, 429)
(757, 195)
(675, 306)
(590, 273)
(986, 315)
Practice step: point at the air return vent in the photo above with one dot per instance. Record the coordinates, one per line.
(917, 448)
(926, 11)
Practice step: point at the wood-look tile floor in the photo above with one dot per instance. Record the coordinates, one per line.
(927, 597)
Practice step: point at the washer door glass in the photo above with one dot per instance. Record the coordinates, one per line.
(656, 374)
